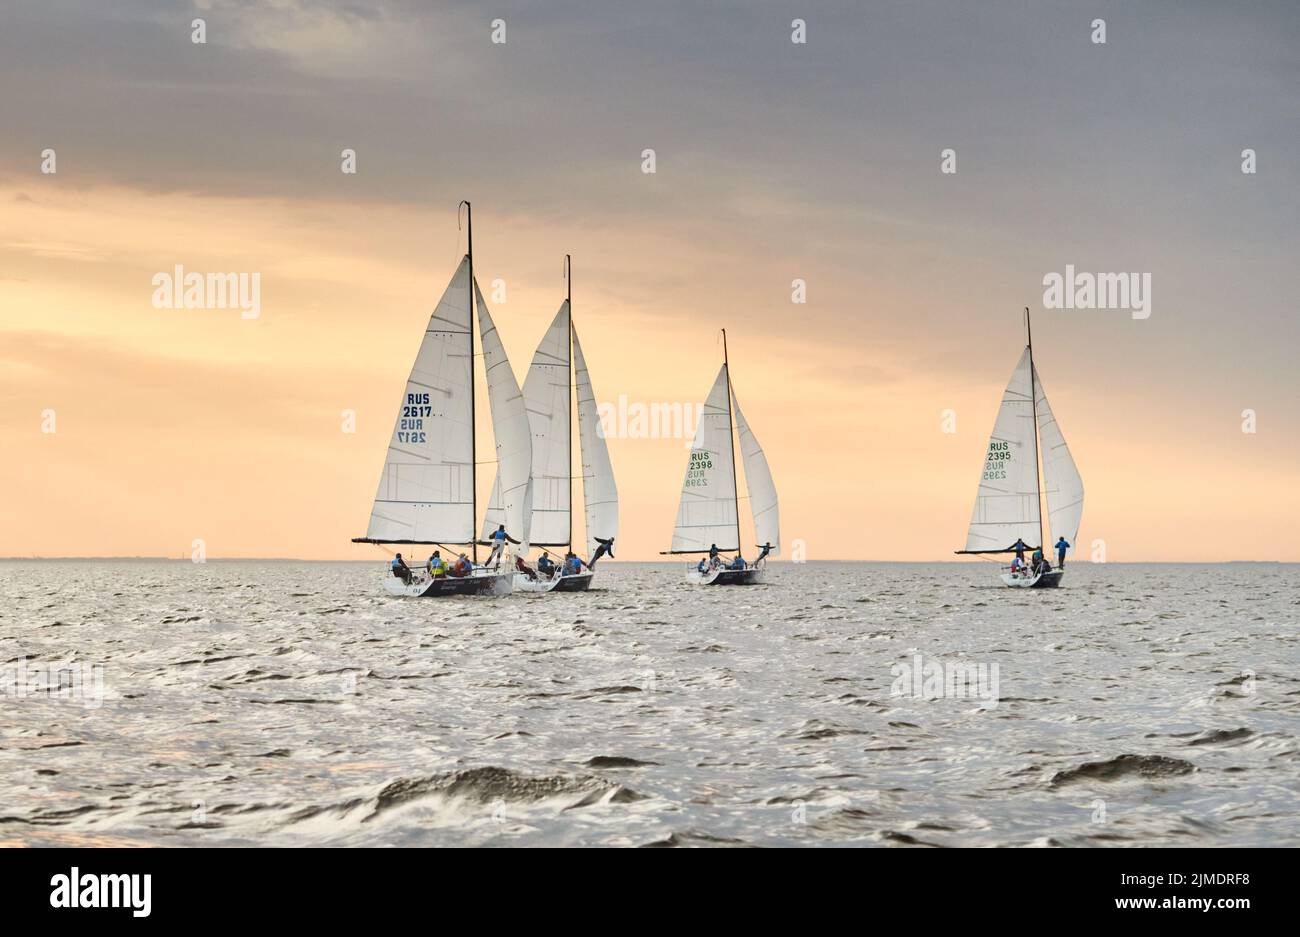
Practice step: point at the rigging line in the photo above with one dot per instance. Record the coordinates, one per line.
(473, 393)
(1033, 402)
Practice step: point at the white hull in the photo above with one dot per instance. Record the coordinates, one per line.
(702, 579)
(1047, 580)
(538, 585)
(579, 582)
(480, 582)
(1019, 582)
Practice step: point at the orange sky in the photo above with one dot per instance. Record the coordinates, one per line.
(774, 162)
(182, 424)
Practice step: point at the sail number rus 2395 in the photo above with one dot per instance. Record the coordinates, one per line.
(995, 467)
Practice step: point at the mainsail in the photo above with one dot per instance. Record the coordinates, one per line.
(426, 491)
(706, 514)
(598, 489)
(1007, 506)
(1061, 478)
(758, 479)
(509, 428)
(546, 395)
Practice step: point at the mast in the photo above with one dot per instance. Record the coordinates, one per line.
(1033, 403)
(473, 425)
(568, 371)
(731, 439)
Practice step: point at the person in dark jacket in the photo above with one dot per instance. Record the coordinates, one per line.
(606, 547)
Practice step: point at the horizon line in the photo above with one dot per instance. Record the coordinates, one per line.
(296, 559)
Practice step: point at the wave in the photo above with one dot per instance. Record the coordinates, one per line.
(491, 785)
(1147, 767)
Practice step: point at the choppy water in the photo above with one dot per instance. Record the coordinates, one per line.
(292, 703)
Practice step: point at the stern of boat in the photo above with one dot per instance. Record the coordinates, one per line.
(1049, 580)
(577, 583)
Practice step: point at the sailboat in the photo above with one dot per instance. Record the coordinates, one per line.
(427, 491)
(557, 368)
(708, 514)
(1009, 505)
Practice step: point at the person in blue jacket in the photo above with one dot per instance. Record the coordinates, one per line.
(1061, 546)
(498, 540)
(401, 570)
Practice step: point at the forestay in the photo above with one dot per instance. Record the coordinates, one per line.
(707, 512)
(1007, 505)
(758, 478)
(426, 488)
(509, 428)
(599, 492)
(1061, 478)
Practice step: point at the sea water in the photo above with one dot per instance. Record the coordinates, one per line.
(293, 703)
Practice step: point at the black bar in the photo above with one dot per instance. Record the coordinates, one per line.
(297, 890)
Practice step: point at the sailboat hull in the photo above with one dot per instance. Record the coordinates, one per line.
(481, 583)
(1049, 580)
(738, 577)
(578, 583)
(725, 577)
(536, 584)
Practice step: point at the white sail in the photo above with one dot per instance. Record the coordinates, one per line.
(546, 394)
(510, 429)
(1007, 505)
(1061, 478)
(707, 512)
(758, 479)
(598, 489)
(426, 490)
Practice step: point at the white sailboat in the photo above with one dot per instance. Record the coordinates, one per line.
(1008, 506)
(427, 491)
(708, 514)
(557, 369)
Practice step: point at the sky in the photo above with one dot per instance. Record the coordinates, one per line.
(774, 161)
